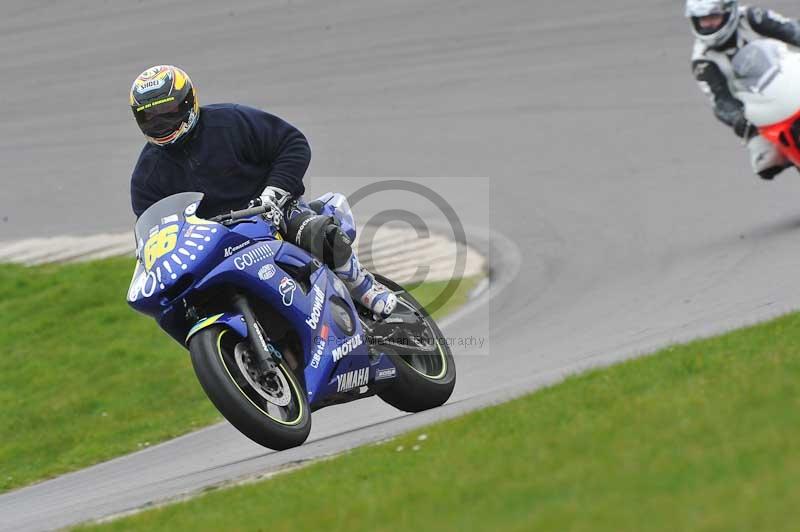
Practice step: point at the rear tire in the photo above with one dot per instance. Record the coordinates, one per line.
(218, 357)
(423, 381)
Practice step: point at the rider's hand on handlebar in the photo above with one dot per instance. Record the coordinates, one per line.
(745, 129)
(275, 198)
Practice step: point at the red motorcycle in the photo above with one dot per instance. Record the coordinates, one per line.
(767, 81)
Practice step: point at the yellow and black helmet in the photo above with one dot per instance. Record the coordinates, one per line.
(164, 102)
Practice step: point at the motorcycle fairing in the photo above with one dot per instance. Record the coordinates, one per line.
(768, 75)
(318, 339)
(248, 255)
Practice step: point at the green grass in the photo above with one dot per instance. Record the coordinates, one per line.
(428, 293)
(704, 436)
(83, 378)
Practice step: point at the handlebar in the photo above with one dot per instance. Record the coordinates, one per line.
(244, 213)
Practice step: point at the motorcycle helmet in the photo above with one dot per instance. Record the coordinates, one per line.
(724, 12)
(164, 103)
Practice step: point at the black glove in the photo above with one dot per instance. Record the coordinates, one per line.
(744, 129)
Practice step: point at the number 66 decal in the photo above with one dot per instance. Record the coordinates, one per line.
(160, 244)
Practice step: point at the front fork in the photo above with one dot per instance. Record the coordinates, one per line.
(267, 357)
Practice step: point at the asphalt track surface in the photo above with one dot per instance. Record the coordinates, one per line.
(621, 216)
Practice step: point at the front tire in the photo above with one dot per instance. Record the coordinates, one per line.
(271, 410)
(424, 379)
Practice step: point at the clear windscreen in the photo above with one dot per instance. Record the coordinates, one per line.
(757, 64)
(170, 210)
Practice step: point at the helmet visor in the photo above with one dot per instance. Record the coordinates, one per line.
(710, 24)
(162, 118)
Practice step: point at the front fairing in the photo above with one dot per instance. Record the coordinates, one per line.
(767, 74)
(174, 248)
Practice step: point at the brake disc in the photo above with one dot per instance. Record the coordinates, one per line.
(272, 384)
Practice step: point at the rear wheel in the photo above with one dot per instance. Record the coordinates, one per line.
(269, 407)
(426, 371)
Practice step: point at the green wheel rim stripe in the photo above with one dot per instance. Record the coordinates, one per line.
(438, 346)
(444, 365)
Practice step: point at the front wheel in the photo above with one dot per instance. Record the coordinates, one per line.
(426, 371)
(270, 408)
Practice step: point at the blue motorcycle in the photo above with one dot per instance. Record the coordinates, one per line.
(272, 332)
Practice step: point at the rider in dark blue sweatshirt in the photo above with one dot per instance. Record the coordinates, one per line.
(231, 155)
(235, 155)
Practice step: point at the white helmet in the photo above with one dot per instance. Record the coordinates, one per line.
(695, 9)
